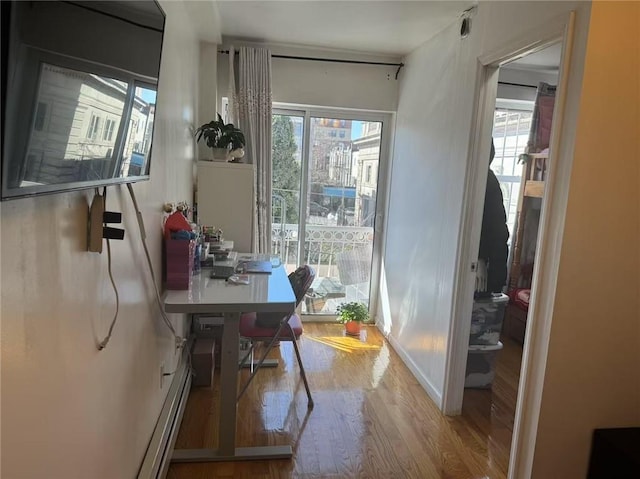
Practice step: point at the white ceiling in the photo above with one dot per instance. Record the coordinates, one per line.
(386, 27)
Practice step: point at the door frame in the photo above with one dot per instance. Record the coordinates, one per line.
(382, 195)
(548, 245)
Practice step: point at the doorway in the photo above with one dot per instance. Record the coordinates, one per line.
(521, 128)
(523, 120)
(519, 423)
(329, 169)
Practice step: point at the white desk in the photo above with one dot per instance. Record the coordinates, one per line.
(266, 293)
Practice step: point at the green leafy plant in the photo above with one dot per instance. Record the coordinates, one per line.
(352, 311)
(218, 134)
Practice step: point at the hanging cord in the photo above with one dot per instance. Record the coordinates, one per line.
(171, 373)
(180, 341)
(102, 344)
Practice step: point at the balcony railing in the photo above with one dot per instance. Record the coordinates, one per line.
(321, 246)
(324, 246)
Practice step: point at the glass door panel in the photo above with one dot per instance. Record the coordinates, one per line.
(340, 212)
(287, 138)
(325, 185)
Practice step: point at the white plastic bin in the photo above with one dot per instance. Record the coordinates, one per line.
(481, 365)
(486, 319)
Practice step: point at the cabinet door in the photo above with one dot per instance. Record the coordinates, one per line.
(225, 200)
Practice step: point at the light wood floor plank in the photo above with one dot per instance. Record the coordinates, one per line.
(372, 419)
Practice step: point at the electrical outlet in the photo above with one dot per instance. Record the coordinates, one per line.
(161, 375)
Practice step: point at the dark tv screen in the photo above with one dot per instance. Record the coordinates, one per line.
(79, 89)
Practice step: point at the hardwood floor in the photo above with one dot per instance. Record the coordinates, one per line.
(371, 419)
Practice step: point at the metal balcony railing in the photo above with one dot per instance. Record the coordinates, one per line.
(321, 246)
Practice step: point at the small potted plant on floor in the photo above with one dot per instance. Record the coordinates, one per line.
(225, 140)
(352, 314)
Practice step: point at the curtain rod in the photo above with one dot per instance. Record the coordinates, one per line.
(334, 60)
(517, 84)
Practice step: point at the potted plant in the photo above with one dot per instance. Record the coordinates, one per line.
(225, 140)
(352, 314)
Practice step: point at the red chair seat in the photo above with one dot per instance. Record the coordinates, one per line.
(269, 327)
(249, 328)
(520, 297)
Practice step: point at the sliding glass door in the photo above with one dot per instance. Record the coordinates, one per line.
(327, 173)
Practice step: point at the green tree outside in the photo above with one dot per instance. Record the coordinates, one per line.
(286, 170)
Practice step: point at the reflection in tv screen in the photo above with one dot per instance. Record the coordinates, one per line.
(77, 126)
(79, 114)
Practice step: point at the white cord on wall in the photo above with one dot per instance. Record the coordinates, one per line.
(180, 341)
(102, 344)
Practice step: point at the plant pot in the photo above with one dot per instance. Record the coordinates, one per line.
(220, 154)
(352, 328)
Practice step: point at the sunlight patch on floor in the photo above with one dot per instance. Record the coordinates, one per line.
(345, 343)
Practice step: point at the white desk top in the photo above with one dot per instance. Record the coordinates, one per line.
(265, 293)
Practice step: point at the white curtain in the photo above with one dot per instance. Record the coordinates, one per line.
(250, 110)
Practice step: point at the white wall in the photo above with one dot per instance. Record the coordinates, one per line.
(435, 107)
(424, 208)
(340, 85)
(592, 377)
(68, 410)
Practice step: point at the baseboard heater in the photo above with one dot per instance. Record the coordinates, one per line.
(155, 464)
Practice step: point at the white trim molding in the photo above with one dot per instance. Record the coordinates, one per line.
(545, 276)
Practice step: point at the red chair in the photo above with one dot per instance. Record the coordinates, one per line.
(274, 327)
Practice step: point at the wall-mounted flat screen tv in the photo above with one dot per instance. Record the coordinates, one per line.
(79, 89)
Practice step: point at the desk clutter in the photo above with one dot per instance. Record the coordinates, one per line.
(188, 247)
(181, 249)
(179, 262)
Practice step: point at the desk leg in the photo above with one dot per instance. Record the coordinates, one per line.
(227, 450)
(229, 384)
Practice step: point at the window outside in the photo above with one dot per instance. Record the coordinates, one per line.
(510, 135)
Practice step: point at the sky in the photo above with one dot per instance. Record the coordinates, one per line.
(356, 129)
(148, 96)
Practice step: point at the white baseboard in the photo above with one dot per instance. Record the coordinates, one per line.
(155, 464)
(431, 390)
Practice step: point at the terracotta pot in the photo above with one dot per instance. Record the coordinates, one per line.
(352, 328)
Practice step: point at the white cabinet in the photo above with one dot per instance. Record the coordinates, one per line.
(225, 200)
